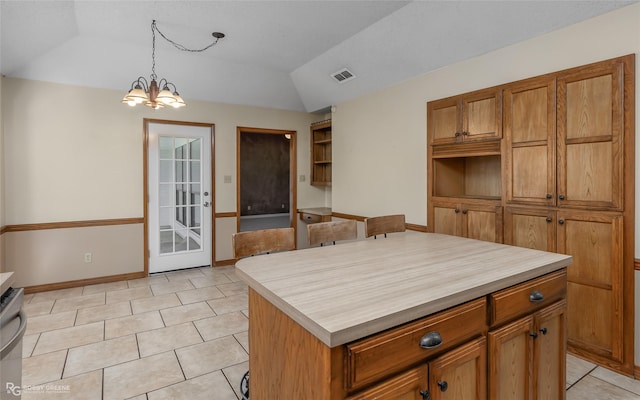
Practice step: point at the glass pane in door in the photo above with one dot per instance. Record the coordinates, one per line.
(180, 214)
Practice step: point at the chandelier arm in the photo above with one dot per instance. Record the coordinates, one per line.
(142, 82)
(178, 46)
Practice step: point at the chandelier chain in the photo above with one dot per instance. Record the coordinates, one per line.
(153, 51)
(178, 46)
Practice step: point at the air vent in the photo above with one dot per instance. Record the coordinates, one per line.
(343, 75)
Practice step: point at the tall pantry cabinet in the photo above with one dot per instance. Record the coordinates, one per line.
(567, 185)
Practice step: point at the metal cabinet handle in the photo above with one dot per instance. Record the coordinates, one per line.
(534, 335)
(456, 134)
(443, 386)
(549, 219)
(206, 204)
(536, 296)
(431, 340)
(561, 221)
(561, 197)
(426, 395)
(457, 210)
(543, 331)
(464, 212)
(549, 196)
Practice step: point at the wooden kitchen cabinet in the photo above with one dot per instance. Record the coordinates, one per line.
(527, 359)
(566, 184)
(411, 385)
(590, 137)
(569, 162)
(472, 220)
(567, 152)
(470, 117)
(530, 141)
(460, 374)
(595, 290)
(464, 165)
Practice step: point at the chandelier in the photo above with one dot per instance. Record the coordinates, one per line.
(149, 93)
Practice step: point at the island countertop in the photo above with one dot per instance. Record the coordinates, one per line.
(346, 292)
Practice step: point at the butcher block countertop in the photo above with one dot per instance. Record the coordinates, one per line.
(346, 292)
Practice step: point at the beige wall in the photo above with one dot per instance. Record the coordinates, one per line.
(380, 139)
(75, 153)
(57, 255)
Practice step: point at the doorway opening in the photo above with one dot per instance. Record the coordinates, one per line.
(266, 171)
(178, 195)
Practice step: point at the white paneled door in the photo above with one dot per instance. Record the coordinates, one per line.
(179, 188)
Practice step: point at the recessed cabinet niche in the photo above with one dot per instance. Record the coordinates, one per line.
(476, 177)
(557, 175)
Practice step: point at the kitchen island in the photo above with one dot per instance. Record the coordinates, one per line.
(393, 317)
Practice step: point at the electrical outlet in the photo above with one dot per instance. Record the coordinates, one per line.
(248, 208)
(302, 178)
(227, 179)
(88, 257)
(282, 205)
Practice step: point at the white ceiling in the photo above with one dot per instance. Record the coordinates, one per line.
(277, 54)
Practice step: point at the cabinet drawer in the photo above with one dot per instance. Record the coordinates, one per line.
(386, 353)
(527, 297)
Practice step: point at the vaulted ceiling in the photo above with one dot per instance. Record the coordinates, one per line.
(278, 54)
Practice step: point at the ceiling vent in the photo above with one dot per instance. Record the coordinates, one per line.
(343, 75)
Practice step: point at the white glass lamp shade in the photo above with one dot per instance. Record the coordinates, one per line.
(165, 96)
(137, 94)
(127, 100)
(179, 103)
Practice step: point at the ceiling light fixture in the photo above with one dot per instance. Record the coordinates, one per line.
(149, 93)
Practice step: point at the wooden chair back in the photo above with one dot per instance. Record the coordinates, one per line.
(385, 224)
(325, 232)
(262, 241)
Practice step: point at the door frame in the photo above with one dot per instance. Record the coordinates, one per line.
(293, 172)
(145, 173)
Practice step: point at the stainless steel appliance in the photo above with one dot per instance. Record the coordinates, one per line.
(13, 323)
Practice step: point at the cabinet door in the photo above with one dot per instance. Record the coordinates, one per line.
(510, 361)
(460, 374)
(447, 218)
(445, 120)
(533, 228)
(590, 137)
(482, 222)
(549, 358)
(482, 115)
(410, 385)
(595, 284)
(530, 138)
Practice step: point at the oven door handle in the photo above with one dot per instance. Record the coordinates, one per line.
(16, 338)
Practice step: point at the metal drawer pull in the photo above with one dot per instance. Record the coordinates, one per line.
(426, 395)
(536, 296)
(431, 340)
(443, 386)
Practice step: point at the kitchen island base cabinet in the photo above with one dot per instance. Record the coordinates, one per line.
(334, 323)
(285, 360)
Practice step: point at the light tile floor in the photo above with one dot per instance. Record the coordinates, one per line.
(179, 335)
